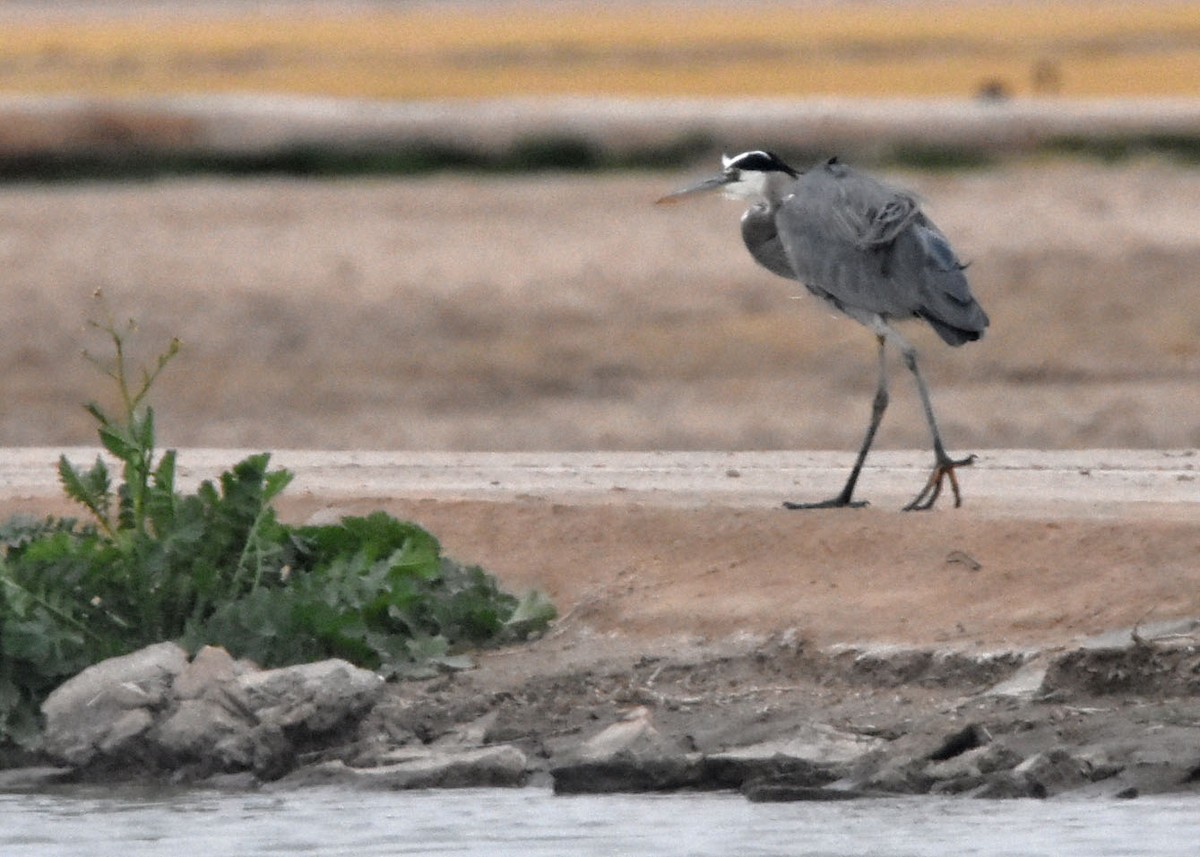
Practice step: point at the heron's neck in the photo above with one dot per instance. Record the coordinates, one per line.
(773, 190)
(762, 190)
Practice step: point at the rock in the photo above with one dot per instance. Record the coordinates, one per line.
(1024, 684)
(969, 770)
(1055, 771)
(968, 738)
(635, 732)
(238, 720)
(920, 767)
(817, 756)
(202, 730)
(334, 772)
(1039, 776)
(1007, 786)
(32, 779)
(903, 775)
(309, 699)
(629, 756)
(110, 704)
(484, 767)
(153, 711)
(1152, 768)
(502, 765)
(472, 734)
(625, 772)
(767, 791)
(210, 670)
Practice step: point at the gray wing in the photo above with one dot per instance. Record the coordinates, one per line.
(869, 250)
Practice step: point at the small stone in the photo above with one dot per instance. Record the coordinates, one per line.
(211, 668)
(485, 767)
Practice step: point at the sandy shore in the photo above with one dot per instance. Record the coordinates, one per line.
(1048, 549)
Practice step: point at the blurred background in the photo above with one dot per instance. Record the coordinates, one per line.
(429, 225)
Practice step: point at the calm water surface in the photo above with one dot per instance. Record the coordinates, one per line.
(532, 822)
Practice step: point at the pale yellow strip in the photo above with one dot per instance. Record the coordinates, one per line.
(1082, 49)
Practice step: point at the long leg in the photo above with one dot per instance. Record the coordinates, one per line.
(944, 465)
(878, 406)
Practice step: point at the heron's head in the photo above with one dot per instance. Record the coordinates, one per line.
(755, 176)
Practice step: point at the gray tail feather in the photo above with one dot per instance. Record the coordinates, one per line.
(947, 302)
(954, 335)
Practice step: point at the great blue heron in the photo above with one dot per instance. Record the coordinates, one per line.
(867, 250)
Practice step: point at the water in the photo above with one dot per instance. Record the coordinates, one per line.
(533, 823)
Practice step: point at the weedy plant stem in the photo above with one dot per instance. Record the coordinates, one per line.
(130, 437)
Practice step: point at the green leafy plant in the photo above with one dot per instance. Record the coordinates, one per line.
(378, 592)
(217, 566)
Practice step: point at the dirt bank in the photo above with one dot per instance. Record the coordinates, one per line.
(1049, 548)
(1051, 612)
(1048, 621)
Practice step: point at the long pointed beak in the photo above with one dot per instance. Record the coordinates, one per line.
(706, 186)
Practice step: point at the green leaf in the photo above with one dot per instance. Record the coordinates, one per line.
(275, 483)
(115, 441)
(377, 536)
(92, 488)
(161, 501)
(143, 432)
(100, 416)
(427, 648)
(164, 474)
(534, 613)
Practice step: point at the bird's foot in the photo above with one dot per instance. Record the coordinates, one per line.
(944, 469)
(839, 502)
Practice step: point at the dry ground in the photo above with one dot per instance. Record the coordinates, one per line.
(641, 549)
(563, 313)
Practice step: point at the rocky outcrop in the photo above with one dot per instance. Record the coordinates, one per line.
(777, 722)
(154, 711)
